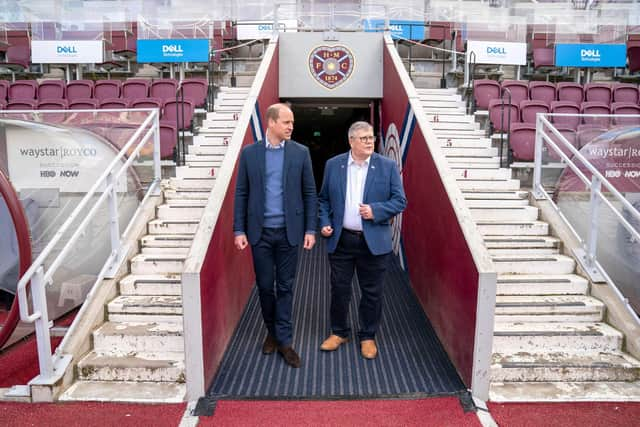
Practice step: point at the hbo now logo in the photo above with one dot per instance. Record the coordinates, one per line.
(66, 49)
(590, 53)
(172, 48)
(496, 50)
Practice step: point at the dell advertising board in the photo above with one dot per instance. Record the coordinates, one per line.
(263, 30)
(67, 51)
(410, 30)
(506, 53)
(173, 50)
(591, 55)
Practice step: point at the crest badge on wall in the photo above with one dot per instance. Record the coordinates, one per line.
(331, 65)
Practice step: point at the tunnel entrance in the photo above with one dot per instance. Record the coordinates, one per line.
(323, 127)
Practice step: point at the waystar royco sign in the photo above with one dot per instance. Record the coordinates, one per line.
(506, 53)
(67, 51)
(173, 50)
(590, 55)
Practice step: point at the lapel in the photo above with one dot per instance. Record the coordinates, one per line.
(373, 165)
(260, 159)
(286, 162)
(344, 165)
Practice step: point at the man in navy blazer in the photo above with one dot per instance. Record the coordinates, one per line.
(275, 210)
(361, 192)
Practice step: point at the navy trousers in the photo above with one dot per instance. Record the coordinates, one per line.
(275, 261)
(352, 255)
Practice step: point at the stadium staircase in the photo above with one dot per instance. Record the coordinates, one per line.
(138, 353)
(551, 340)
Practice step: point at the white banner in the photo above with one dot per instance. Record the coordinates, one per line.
(67, 51)
(497, 52)
(252, 30)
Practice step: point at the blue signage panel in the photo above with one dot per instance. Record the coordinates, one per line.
(173, 50)
(591, 55)
(411, 30)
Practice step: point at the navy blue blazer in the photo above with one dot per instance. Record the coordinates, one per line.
(300, 199)
(382, 191)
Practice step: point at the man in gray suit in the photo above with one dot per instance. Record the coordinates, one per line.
(361, 192)
(275, 210)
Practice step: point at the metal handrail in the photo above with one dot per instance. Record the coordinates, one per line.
(595, 185)
(502, 124)
(36, 274)
(471, 69)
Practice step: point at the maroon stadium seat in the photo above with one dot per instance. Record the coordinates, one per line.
(114, 103)
(168, 140)
(79, 89)
(633, 53)
(23, 89)
(549, 154)
(586, 134)
(172, 113)
(626, 108)
(542, 91)
(51, 89)
(565, 107)
(135, 89)
(595, 107)
(529, 108)
(485, 90)
(84, 104)
(104, 89)
(599, 92)
(4, 89)
(568, 91)
(148, 103)
(499, 114)
(195, 90)
(625, 92)
(17, 58)
(543, 57)
(519, 90)
(21, 104)
(163, 89)
(522, 140)
(52, 104)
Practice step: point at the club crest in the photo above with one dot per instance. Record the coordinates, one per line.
(331, 65)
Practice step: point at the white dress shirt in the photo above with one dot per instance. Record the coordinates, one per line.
(356, 177)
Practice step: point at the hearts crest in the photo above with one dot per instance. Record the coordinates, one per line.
(331, 66)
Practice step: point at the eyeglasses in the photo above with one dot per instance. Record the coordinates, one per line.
(368, 138)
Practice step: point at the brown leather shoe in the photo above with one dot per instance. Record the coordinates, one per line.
(368, 349)
(333, 342)
(290, 356)
(270, 345)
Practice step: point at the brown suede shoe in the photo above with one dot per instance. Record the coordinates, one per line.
(270, 345)
(368, 349)
(290, 356)
(333, 342)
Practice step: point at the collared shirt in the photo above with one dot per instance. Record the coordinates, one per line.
(274, 186)
(356, 177)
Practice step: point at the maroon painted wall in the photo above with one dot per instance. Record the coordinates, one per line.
(442, 271)
(227, 274)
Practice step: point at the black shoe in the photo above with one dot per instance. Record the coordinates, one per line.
(290, 356)
(270, 345)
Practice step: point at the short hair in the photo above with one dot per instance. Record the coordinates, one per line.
(358, 126)
(273, 112)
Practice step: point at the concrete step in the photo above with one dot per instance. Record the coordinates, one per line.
(552, 367)
(450, 125)
(459, 133)
(512, 228)
(219, 123)
(498, 203)
(172, 211)
(146, 304)
(147, 367)
(157, 264)
(192, 171)
(465, 143)
(209, 149)
(138, 337)
(221, 116)
(579, 391)
(166, 241)
(481, 184)
(129, 391)
(469, 161)
(444, 116)
(470, 152)
(541, 284)
(210, 140)
(449, 111)
(186, 194)
(191, 183)
(471, 194)
(437, 91)
(548, 308)
(533, 264)
(447, 103)
(453, 97)
(489, 173)
(516, 245)
(527, 213)
(545, 337)
(182, 252)
(151, 284)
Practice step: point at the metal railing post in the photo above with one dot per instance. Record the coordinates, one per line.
(43, 338)
(114, 221)
(538, 191)
(592, 239)
(157, 168)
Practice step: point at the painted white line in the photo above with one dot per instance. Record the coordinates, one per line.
(189, 420)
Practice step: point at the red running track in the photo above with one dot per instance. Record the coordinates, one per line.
(445, 411)
(566, 414)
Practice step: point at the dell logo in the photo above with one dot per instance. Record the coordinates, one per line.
(590, 53)
(496, 50)
(172, 48)
(66, 49)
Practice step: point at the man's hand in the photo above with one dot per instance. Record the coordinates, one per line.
(309, 241)
(241, 241)
(365, 211)
(326, 231)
